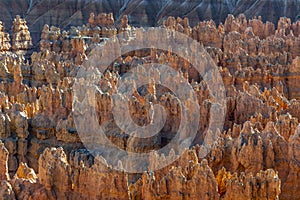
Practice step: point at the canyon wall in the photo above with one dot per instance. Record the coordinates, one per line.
(256, 155)
(67, 13)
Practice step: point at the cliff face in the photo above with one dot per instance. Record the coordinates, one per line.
(66, 13)
(256, 155)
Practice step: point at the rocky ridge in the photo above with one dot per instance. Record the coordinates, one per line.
(67, 13)
(255, 157)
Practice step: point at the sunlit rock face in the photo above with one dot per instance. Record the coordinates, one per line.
(255, 156)
(66, 13)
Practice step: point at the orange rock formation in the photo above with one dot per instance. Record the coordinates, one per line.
(256, 156)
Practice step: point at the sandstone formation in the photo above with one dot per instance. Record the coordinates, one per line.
(255, 156)
(5, 40)
(67, 13)
(21, 39)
